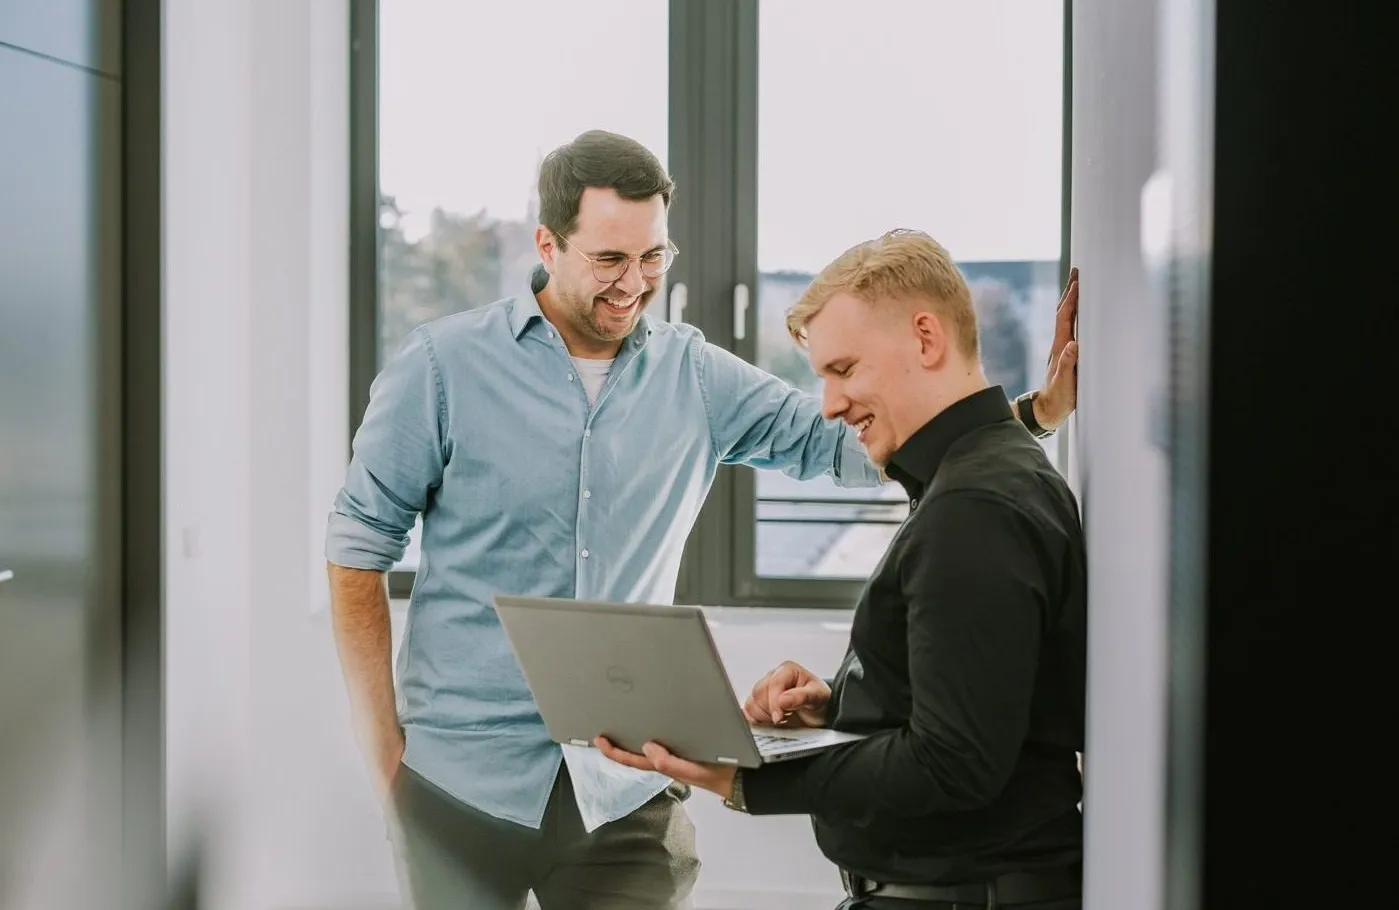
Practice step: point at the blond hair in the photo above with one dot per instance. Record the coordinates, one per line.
(902, 265)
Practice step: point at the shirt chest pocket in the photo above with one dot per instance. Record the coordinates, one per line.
(519, 472)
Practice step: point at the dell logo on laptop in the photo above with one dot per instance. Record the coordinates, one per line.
(619, 678)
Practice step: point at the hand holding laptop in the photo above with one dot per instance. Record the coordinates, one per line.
(715, 778)
(790, 695)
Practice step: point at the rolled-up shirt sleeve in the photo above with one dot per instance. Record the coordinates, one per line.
(398, 458)
(759, 420)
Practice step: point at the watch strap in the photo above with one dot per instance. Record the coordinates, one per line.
(736, 801)
(1025, 409)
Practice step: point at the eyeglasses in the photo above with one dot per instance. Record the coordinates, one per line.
(610, 267)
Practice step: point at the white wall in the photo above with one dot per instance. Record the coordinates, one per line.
(1121, 474)
(261, 760)
(207, 411)
(255, 220)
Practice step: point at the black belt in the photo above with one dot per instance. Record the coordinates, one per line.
(1001, 891)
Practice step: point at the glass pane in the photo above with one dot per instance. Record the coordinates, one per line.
(942, 115)
(472, 96)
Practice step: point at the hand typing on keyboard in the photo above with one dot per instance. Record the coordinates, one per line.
(789, 695)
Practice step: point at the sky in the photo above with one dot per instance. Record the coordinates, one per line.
(942, 115)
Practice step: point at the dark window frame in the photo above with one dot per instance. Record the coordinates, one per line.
(713, 136)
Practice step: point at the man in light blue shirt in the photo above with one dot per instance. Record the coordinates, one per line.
(557, 443)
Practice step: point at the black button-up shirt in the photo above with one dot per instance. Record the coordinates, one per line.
(966, 665)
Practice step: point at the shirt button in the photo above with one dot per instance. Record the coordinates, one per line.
(587, 494)
(570, 377)
(587, 432)
(584, 554)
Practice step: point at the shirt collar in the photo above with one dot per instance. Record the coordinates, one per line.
(917, 460)
(524, 308)
(525, 312)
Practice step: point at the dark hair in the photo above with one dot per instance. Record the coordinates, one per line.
(602, 159)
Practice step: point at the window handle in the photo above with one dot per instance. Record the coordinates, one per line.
(740, 312)
(677, 302)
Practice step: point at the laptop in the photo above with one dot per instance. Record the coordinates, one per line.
(637, 673)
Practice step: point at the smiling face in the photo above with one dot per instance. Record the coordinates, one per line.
(891, 331)
(877, 362)
(594, 316)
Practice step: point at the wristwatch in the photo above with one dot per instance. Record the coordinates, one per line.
(735, 800)
(1025, 408)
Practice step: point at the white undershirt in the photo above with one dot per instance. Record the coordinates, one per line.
(594, 374)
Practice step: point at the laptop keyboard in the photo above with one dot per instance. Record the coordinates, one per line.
(769, 744)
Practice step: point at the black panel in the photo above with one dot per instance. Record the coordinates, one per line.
(364, 205)
(83, 33)
(143, 854)
(1303, 537)
(703, 92)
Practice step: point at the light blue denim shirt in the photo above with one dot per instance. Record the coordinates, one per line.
(480, 424)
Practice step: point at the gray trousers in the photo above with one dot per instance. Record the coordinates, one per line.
(453, 857)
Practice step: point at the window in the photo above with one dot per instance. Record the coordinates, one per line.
(895, 125)
(947, 116)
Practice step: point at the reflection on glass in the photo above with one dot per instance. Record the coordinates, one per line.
(943, 116)
(472, 96)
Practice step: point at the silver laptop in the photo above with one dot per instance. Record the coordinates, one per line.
(638, 673)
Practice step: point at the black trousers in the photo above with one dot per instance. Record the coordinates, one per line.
(453, 857)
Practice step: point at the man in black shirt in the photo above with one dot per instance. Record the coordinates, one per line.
(968, 648)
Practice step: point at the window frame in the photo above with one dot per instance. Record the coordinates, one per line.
(713, 143)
